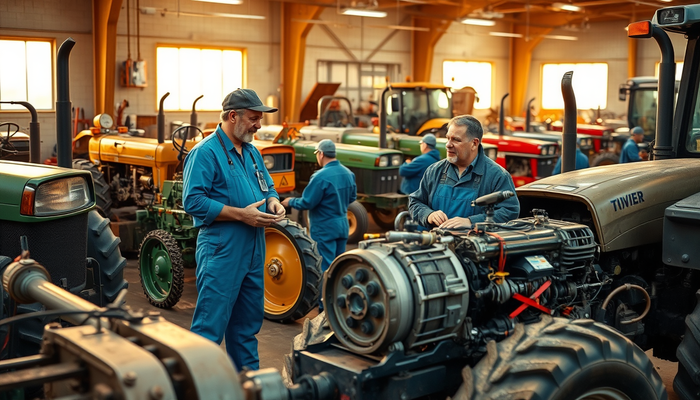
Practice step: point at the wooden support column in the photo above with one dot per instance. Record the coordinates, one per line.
(293, 49)
(105, 15)
(632, 57)
(520, 61)
(423, 46)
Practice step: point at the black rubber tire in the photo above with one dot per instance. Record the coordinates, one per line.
(103, 246)
(687, 381)
(561, 359)
(174, 255)
(102, 191)
(358, 211)
(606, 158)
(381, 217)
(310, 259)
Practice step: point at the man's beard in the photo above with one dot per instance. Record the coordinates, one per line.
(243, 135)
(453, 160)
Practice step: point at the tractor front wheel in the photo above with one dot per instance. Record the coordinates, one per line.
(384, 218)
(292, 272)
(160, 269)
(605, 159)
(358, 221)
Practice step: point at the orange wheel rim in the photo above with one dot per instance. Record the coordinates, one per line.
(352, 221)
(284, 274)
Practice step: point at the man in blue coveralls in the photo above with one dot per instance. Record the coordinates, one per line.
(581, 162)
(412, 171)
(327, 197)
(630, 151)
(232, 198)
(449, 186)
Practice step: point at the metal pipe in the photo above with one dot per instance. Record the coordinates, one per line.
(64, 131)
(501, 116)
(568, 136)
(663, 149)
(161, 119)
(34, 132)
(193, 119)
(629, 286)
(527, 115)
(382, 118)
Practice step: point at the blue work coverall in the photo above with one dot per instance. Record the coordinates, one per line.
(327, 197)
(442, 189)
(230, 255)
(413, 172)
(581, 162)
(630, 152)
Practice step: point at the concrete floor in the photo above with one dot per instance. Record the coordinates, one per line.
(275, 339)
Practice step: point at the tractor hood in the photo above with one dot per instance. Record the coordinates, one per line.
(626, 202)
(352, 156)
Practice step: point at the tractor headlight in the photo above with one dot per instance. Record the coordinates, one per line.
(492, 154)
(396, 160)
(269, 161)
(543, 150)
(551, 150)
(56, 197)
(382, 161)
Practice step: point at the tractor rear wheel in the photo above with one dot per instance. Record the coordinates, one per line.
(292, 272)
(605, 159)
(560, 359)
(687, 381)
(384, 218)
(103, 246)
(102, 195)
(358, 220)
(160, 269)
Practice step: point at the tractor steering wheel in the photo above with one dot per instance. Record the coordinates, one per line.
(5, 143)
(182, 147)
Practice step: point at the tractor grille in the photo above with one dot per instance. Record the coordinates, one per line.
(59, 245)
(375, 182)
(578, 246)
(545, 167)
(283, 162)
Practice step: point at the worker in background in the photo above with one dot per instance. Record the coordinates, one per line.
(630, 151)
(449, 186)
(327, 197)
(412, 170)
(581, 161)
(232, 198)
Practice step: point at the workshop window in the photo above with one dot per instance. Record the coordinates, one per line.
(188, 73)
(478, 75)
(359, 82)
(679, 70)
(26, 73)
(590, 83)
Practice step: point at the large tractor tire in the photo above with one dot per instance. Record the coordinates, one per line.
(102, 195)
(559, 359)
(103, 246)
(605, 159)
(384, 218)
(161, 269)
(292, 272)
(687, 381)
(358, 220)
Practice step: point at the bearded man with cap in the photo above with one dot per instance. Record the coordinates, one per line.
(413, 170)
(232, 198)
(630, 151)
(330, 191)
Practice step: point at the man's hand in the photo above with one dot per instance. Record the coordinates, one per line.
(437, 218)
(456, 223)
(254, 217)
(285, 202)
(274, 206)
(644, 155)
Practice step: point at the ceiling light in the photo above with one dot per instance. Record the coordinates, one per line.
(506, 34)
(164, 11)
(234, 2)
(566, 7)
(363, 13)
(478, 21)
(560, 37)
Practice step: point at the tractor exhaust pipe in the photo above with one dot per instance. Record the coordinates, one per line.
(64, 131)
(568, 137)
(501, 116)
(193, 118)
(667, 82)
(527, 115)
(161, 119)
(34, 132)
(382, 118)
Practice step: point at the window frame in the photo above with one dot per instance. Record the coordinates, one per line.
(178, 46)
(52, 44)
(491, 84)
(359, 89)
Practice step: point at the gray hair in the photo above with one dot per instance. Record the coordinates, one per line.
(225, 114)
(474, 128)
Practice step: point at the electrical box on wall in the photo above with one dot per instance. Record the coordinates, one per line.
(133, 74)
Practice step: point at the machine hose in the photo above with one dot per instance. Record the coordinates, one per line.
(629, 286)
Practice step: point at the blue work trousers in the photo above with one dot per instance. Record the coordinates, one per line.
(330, 249)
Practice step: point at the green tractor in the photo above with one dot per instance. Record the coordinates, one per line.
(53, 210)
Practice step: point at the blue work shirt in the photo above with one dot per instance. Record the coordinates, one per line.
(581, 162)
(484, 177)
(630, 152)
(327, 197)
(413, 172)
